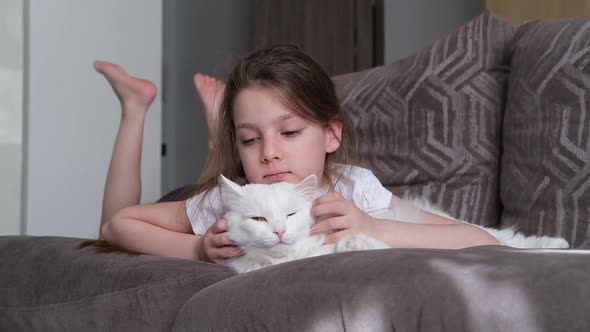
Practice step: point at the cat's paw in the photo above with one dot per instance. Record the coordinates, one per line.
(358, 242)
(245, 265)
(554, 242)
(249, 268)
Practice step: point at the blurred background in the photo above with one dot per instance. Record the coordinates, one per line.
(59, 118)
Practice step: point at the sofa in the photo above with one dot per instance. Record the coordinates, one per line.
(491, 123)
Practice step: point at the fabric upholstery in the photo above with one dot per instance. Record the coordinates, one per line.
(47, 284)
(488, 288)
(430, 124)
(545, 179)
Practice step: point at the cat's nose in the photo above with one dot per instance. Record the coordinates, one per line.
(279, 233)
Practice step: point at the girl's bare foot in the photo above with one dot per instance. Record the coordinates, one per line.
(134, 93)
(210, 90)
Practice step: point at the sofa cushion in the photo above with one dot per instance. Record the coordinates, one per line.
(47, 284)
(429, 124)
(545, 179)
(485, 288)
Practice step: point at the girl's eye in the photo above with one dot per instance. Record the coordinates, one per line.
(258, 218)
(249, 141)
(291, 133)
(290, 214)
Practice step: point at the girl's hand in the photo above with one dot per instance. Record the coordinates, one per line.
(215, 246)
(340, 217)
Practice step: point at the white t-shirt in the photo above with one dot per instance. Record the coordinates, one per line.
(357, 184)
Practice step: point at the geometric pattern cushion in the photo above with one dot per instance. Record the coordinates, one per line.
(429, 125)
(546, 162)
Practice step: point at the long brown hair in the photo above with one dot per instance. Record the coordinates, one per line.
(301, 84)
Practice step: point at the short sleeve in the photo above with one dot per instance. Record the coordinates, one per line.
(365, 190)
(204, 210)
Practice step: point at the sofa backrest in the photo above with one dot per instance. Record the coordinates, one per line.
(545, 181)
(490, 124)
(429, 125)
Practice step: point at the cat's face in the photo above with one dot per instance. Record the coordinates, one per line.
(270, 216)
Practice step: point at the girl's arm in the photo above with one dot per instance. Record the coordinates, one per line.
(453, 235)
(425, 217)
(163, 229)
(345, 218)
(434, 231)
(159, 229)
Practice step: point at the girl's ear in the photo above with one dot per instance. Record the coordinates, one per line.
(230, 191)
(307, 186)
(333, 135)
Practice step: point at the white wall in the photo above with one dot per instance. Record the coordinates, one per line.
(410, 25)
(11, 114)
(71, 113)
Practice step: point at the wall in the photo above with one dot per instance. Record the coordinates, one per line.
(71, 112)
(521, 11)
(411, 25)
(11, 114)
(204, 36)
(199, 36)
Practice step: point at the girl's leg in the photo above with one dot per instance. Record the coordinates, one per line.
(123, 183)
(211, 92)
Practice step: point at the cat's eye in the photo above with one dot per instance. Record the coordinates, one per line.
(258, 218)
(290, 214)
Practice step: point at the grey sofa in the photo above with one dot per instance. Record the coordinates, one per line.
(491, 123)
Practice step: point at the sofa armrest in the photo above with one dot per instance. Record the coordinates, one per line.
(487, 288)
(48, 283)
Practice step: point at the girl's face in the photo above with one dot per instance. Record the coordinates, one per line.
(275, 144)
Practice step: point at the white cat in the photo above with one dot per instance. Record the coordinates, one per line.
(271, 224)
(408, 211)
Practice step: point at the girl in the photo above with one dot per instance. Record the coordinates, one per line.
(279, 120)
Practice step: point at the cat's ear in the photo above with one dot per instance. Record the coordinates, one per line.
(230, 191)
(307, 186)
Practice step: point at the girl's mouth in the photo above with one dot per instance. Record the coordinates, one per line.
(276, 176)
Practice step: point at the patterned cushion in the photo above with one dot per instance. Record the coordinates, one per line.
(429, 125)
(546, 163)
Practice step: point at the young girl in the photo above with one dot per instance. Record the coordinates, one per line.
(279, 120)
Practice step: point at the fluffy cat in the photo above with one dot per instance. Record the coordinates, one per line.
(271, 224)
(408, 212)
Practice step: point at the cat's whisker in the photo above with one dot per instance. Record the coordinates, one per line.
(255, 243)
(237, 254)
(239, 251)
(243, 248)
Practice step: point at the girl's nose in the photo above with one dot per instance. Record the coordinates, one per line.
(270, 152)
